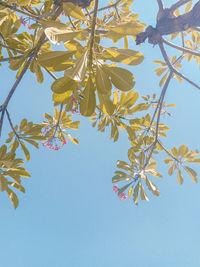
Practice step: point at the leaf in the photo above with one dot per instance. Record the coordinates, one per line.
(168, 161)
(143, 195)
(117, 178)
(125, 56)
(136, 193)
(57, 35)
(56, 60)
(106, 104)
(152, 187)
(182, 150)
(3, 182)
(74, 140)
(124, 188)
(171, 169)
(88, 102)
(179, 177)
(121, 78)
(25, 150)
(124, 165)
(77, 73)
(13, 197)
(128, 28)
(191, 173)
(63, 85)
(130, 191)
(73, 11)
(103, 82)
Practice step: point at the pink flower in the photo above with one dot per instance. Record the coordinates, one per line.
(22, 20)
(29, 27)
(122, 196)
(63, 12)
(73, 99)
(73, 111)
(115, 188)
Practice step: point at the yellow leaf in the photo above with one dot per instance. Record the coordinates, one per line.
(182, 150)
(130, 191)
(106, 104)
(25, 150)
(59, 98)
(13, 197)
(191, 173)
(179, 177)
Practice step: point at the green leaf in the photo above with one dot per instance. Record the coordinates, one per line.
(124, 188)
(125, 56)
(121, 78)
(56, 60)
(13, 197)
(152, 187)
(63, 85)
(77, 73)
(25, 150)
(88, 102)
(57, 35)
(74, 140)
(103, 82)
(143, 195)
(73, 11)
(136, 193)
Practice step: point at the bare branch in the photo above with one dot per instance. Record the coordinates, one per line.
(183, 49)
(93, 32)
(11, 124)
(178, 4)
(160, 5)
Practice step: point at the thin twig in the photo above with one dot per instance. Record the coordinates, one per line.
(160, 5)
(183, 49)
(168, 152)
(50, 73)
(71, 22)
(11, 48)
(162, 96)
(11, 124)
(20, 11)
(107, 7)
(178, 4)
(10, 58)
(172, 68)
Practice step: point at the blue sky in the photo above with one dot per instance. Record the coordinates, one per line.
(70, 216)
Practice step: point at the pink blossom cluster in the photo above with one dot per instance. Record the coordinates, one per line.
(24, 22)
(122, 195)
(54, 143)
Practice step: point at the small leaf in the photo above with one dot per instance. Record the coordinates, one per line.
(179, 177)
(191, 173)
(26, 152)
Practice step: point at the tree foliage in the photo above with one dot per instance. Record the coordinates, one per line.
(94, 82)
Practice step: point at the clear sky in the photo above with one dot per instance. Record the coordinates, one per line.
(70, 217)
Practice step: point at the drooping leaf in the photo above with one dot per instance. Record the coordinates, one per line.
(88, 102)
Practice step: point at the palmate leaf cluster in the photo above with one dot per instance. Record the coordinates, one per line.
(93, 82)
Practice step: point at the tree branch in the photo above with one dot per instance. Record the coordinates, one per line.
(93, 33)
(11, 48)
(178, 4)
(164, 54)
(183, 49)
(160, 5)
(10, 58)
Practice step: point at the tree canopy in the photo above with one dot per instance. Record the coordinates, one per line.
(67, 40)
